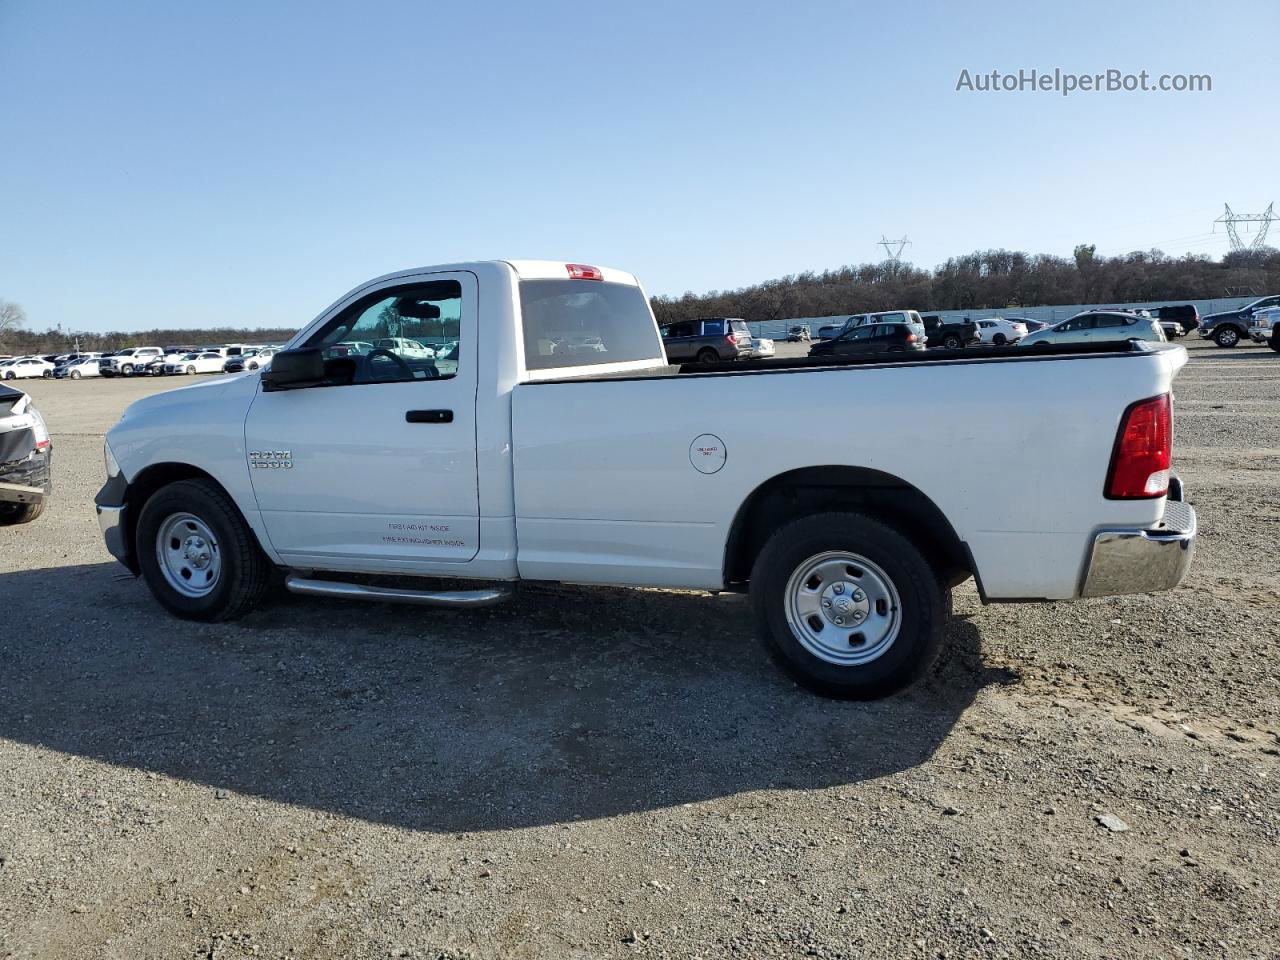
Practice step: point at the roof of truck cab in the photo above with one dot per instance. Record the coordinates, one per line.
(525, 269)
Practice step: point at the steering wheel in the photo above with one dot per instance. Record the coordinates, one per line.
(395, 357)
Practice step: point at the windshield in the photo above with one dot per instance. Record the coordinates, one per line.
(570, 323)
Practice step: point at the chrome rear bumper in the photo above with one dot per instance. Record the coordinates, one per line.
(1129, 560)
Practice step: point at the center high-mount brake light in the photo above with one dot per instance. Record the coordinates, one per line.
(1143, 452)
(581, 271)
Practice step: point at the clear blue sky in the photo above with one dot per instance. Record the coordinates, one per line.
(245, 163)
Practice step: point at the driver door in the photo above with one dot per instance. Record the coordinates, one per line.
(376, 468)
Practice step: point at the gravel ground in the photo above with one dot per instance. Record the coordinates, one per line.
(606, 773)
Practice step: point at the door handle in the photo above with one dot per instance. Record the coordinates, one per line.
(428, 416)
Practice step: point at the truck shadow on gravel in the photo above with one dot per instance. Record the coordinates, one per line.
(566, 704)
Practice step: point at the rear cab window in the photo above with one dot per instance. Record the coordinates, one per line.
(572, 323)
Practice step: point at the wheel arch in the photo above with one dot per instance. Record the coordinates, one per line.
(818, 489)
(154, 477)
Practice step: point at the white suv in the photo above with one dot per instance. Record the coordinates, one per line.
(129, 361)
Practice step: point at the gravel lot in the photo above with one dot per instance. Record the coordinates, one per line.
(605, 773)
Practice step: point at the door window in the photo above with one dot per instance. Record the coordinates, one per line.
(1112, 320)
(712, 328)
(861, 333)
(406, 333)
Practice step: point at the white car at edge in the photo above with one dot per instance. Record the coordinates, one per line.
(350, 473)
(997, 331)
(25, 368)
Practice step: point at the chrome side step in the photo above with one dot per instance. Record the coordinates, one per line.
(432, 598)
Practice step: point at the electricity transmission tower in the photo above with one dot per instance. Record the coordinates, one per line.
(1233, 220)
(893, 248)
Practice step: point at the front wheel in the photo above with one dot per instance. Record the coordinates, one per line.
(191, 369)
(1227, 337)
(198, 555)
(952, 342)
(848, 606)
(75, 374)
(1274, 342)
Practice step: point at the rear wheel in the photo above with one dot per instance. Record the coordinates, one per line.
(1227, 337)
(999, 339)
(707, 357)
(197, 554)
(952, 342)
(848, 606)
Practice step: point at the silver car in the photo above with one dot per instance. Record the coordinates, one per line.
(1097, 326)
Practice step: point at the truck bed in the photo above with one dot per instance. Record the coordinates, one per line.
(1011, 445)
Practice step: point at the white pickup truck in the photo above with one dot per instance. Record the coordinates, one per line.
(551, 441)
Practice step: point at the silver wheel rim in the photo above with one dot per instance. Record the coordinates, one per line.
(188, 555)
(1228, 336)
(843, 608)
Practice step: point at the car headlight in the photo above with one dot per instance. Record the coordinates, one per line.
(109, 461)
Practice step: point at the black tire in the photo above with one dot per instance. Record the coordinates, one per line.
(1274, 343)
(245, 571)
(999, 339)
(12, 514)
(952, 342)
(1227, 336)
(925, 604)
(708, 356)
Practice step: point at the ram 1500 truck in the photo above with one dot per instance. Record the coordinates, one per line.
(549, 439)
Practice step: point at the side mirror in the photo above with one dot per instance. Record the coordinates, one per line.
(294, 370)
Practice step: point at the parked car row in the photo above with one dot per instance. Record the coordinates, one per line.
(720, 339)
(139, 361)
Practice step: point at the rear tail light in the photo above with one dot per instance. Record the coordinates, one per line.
(581, 271)
(731, 339)
(1143, 452)
(911, 338)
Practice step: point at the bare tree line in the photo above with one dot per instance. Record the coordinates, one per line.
(988, 279)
